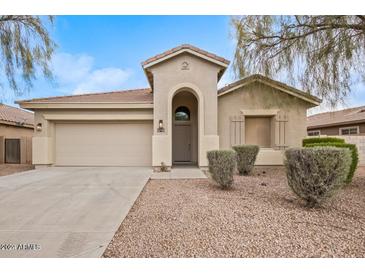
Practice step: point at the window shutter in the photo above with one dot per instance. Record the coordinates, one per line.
(237, 130)
(281, 124)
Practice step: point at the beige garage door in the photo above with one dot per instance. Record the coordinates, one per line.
(104, 144)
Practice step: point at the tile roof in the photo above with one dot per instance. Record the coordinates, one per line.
(262, 78)
(16, 116)
(345, 116)
(122, 96)
(185, 46)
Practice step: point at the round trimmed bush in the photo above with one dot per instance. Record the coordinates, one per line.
(354, 156)
(315, 174)
(222, 164)
(246, 157)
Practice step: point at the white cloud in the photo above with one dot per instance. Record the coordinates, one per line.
(103, 79)
(70, 68)
(76, 74)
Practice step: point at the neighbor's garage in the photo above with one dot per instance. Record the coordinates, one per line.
(103, 144)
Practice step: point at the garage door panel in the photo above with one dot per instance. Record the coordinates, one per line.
(104, 144)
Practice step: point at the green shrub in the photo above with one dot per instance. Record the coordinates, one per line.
(222, 164)
(315, 174)
(246, 157)
(317, 140)
(354, 156)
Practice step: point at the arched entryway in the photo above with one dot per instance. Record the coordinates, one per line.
(184, 129)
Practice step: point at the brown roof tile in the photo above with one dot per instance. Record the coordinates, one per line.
(122, 96)
(16, 116)
(185, 46)
(345, 116)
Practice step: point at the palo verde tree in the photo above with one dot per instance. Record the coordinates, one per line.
(25, 49)
(322, 54)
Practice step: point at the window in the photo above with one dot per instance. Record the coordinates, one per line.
(349, 130)
(182, 114)
(314, 132)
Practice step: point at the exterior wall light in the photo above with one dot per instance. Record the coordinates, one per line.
(160, 126)
(39, 127)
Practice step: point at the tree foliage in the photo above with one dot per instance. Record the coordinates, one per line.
(25, 47)
(324, 54)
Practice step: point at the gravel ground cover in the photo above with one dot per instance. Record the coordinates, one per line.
(7, 169)
(258, 217)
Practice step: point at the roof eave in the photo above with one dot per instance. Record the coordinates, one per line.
(336, 124)
(164, 58)
(313, 100)
(15, 124)
(84, 105)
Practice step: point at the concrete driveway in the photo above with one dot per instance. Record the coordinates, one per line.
(65, 211)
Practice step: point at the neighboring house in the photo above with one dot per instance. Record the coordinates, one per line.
(349, 121)
(348, 124)
(175, 121)
(16, 131)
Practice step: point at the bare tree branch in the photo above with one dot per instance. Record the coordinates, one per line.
(321, 53)
(25, 46)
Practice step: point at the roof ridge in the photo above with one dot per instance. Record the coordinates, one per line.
(87, 94)
(185, 46)
(256, 75)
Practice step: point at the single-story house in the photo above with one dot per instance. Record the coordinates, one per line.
(349, 121)
(180, 117)
(348, 124)
(16, 131)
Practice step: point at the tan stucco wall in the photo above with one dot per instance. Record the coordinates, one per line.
(44, 141)
(259, 98)
(25, 136)
(201, 79)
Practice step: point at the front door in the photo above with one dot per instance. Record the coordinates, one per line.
(182, 144)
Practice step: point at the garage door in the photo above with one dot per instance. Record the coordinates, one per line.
(104, 144)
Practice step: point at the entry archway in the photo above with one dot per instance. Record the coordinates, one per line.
(185, 128)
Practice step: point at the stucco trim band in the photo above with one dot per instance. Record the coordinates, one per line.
(96, 117)
(259, 112)
(88, 105)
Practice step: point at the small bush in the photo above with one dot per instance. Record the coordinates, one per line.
(354, 156)
(222, 164)
(317, 140)
(315, 174)
(246, 157)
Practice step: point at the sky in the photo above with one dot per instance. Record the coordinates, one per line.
(104, 53)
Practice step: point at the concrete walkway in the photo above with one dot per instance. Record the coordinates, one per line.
(180, 172)
(65, 212)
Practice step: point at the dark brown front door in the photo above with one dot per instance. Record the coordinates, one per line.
(12, 151)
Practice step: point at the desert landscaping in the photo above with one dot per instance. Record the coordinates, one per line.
(258, 217)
